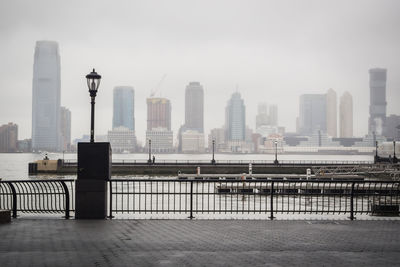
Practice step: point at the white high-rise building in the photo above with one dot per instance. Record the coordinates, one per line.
(346, 115)
(331, 113)
(46, 92)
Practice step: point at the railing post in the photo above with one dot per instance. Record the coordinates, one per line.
(66, 192)
(191, 200)
(272, 202)
(14, 197)
(352, 202)
(110, 196)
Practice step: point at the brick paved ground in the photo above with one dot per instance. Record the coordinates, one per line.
(56, 242)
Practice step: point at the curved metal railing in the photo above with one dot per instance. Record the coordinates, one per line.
(38, 196)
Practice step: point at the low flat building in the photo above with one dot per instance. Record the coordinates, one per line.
(192, 142)
(161, 140)
(122, 139)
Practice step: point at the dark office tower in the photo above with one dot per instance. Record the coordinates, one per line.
(123, 108)
(235, 118)
(312, 117)
(194, 106)
(46, 91)
(377, 103)
(158, 113)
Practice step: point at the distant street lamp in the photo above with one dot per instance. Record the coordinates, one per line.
(93, 82)
(149, 161)
(376, 158)
(276, 153)
(213, 148)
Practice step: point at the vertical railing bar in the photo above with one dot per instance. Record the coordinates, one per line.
(272, 201)
(351, 202)
(66, 192)
(14, 199)
(110, 195)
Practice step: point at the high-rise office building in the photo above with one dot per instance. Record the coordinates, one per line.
(158, 113)
(377, 106)
(312, 116)
(346, 115)
(9, 137)
(331, 113)
(235, 118)
(273, 115)
(262, 117)
(194, 107)
(65, 121)
(123, 107)
(46, 91)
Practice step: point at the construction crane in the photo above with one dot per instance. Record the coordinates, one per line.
(158, 86)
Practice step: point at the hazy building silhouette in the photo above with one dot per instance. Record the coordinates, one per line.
(46, 91)
(65, 121)
(346, 115)
(158, 113)
(218, 135)
(331, 113)
(392, 127)
(9, 137)
(273, 115)
(192, 142)
(312, 116)
(123, 107)
(235, 118)
(377, 106)
(194, 107)
(262, 117)
(267, 115)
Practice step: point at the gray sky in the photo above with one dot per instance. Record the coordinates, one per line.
(272, 50)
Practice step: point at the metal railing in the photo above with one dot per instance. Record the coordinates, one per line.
(194, 197)
(232, 162)
(268, 197)
(38, 196)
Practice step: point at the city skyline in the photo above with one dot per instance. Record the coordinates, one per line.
(275, 64)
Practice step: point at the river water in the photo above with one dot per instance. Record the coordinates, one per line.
(14, 166)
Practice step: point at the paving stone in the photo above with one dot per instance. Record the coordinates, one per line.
(54, 242)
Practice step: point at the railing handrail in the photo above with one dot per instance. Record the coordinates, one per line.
(39, 180)
(252, 180)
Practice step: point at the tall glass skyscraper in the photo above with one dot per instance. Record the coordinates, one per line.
(46, 91)
(194, 107)
(123, 107)
(312, 115)
(235, 118)
(377, 104)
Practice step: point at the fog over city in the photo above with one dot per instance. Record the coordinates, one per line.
(269, 51)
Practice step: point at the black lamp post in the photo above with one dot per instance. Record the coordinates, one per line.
(213, 147)
(149, 161)
(276, 153)
(93, 82)
(376, 158)
(394, 152)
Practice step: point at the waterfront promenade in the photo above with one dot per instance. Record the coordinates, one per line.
(58, 242)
